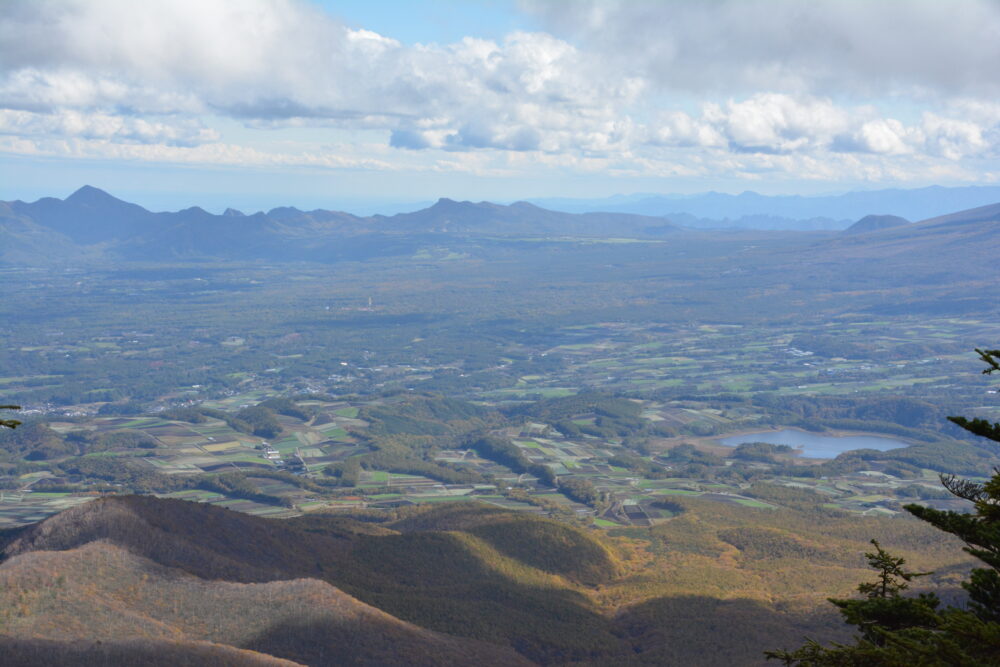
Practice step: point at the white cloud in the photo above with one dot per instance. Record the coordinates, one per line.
(770, 87)
(208, 154)
(774, 123)
(778, 123)
(275, 60)
(952, 139)
(95, 125)
(815, 46)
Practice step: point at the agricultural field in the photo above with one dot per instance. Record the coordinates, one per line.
(609, 461)
(698, 352)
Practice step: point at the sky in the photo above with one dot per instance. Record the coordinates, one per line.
(369, 105)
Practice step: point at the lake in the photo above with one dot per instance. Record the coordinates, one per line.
(813, 445)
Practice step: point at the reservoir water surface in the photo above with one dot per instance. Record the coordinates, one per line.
(813, 445)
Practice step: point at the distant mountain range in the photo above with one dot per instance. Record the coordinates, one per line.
(753, 210)
(92, 225)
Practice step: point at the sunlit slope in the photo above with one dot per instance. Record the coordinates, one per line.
(518, 592)
(130, 653)
(100, 591)
(715, 585)
(555, 548)
(206, 541)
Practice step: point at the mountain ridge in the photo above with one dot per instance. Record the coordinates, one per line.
(912, 204)
(92, 225)
(93, 219)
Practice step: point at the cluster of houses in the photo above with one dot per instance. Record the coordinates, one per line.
(295, 463)
(272, 454)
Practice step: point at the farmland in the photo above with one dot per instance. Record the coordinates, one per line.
(666, 452)
(703, 337)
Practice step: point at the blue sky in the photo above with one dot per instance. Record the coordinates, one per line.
(442, 22)
(370, 105)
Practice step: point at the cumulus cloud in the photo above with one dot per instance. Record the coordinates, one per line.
(276, 60)
(72, 123)
(820, 46)
(775, 123)
(767, 85)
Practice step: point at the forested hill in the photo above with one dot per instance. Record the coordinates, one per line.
(452, 584)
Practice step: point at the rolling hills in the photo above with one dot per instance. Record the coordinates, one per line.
(447, 585)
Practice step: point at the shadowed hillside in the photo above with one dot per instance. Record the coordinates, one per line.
(459, 583)
(518, 592)
(206, 541)
(130, 653)
(100, 591)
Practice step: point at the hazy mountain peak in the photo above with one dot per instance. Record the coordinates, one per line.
(873, 223)
(444, 202)
(234, 213)
(284, 213)
(88, 194)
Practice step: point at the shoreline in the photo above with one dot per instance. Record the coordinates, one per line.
(828, 433)
(712, 443)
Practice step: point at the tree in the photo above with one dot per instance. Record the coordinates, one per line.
(897, 630)
(9, 423)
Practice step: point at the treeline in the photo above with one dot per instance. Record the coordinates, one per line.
(259, 420)
(612, 416)
(898, 411)
(124, 475)
(405, 436)
(506, 453)
(579, 489)
(763, 452)
(905, 462)
(638, 465)
(422, 415)
(34, 440)
(790, 496)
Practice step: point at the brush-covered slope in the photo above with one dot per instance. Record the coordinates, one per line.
(209, 542)
(506, 578)
(716, 585)
(130, 653)
(552, 547)
(973, 235)
(104, 592)
(941, 266)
